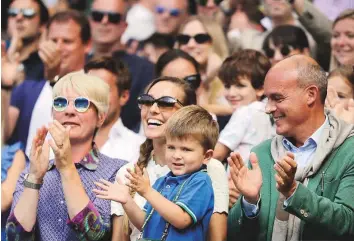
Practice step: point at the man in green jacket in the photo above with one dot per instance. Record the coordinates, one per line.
(300, 184)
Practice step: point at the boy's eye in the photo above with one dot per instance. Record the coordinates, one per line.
(170, 147)
(186, 149)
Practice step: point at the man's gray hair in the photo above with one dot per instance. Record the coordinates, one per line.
(312, 74)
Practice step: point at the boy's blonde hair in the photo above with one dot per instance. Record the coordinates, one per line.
(193, 121)
(85, 85)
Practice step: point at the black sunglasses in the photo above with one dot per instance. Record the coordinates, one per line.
(162, 102)
(284, 50)
(204, 2)
(199, 38)
(113, 17)
(193, 80)
(26, 12)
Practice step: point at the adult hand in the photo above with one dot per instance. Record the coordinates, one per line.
(61, 145)
(285, 176)
(10, 74)
(50, 54)
(16, 44)
(248, 182)
(342, 109)
(112, 191)
(234, 193)
(39, 157)
(139, 181)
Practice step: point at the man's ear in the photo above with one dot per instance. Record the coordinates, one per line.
(88, 46)
(259, 93)
(313, 93)
(101, 119)
(207, 156)
(124, 97)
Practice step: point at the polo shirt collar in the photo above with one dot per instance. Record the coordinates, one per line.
(179, 179)
(89, 162)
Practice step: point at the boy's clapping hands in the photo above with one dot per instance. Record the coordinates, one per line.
(119, 192)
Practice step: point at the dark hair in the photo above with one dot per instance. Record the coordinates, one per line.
(172, 55)
(76, 16)
(287, 35)
(160, 40)
(247, 63)
(116, 67)
(346, 72)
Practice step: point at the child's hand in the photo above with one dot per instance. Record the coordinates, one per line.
(139, 181)
(112, 191)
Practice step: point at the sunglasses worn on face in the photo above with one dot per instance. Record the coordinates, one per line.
(193, 80)
(174, 12)
(284, 50)
(199, 38)
(204, 2)
(81, 104)
(163, 102)
(26, 12)
(113, 17)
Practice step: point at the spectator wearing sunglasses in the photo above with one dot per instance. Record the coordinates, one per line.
(163, 97)
(169, 15)
(68, 42)
(66, 202)
(108, 23)
(284, 41)
(26, 22)
(113, 138)
(204, 40)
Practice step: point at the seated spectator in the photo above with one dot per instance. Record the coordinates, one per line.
(113, 138)
(204, 40)
(26, 22)
(156, 45)
(169, 15)
(53, 198)
(107, 19)
(155, 113)
(243, 75)
(284, 41)
(342, 81)
(183, 210)
(342, 43)
(29, 110)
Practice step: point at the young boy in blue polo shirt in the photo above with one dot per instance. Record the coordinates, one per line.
(180, 204)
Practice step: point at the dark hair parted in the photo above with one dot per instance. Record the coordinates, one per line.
(196, 122)
(247, 63)
(77, 17)
(346, 72)
(160, 40)
(116, 67)
(287, 35)
(172, 55)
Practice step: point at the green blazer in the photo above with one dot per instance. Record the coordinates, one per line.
(325, 206)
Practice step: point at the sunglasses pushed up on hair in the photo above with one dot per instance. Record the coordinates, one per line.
(200, 38)
(26, 12)
(113, 17)
(162, 102)
(81, 104)
(284, 50)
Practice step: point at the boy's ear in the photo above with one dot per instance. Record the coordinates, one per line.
(208, 154)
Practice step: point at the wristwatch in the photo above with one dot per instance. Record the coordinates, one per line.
(291, 1)
(7, 87)
(32, 185)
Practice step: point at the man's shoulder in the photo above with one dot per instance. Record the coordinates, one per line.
(132, 59)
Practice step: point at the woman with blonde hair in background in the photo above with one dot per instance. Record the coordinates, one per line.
(205, 41)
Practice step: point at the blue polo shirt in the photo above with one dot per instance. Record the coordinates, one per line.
(196, 198)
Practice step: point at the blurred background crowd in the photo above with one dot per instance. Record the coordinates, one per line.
(222, 48)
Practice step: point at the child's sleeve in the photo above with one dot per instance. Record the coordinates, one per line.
(197, 197)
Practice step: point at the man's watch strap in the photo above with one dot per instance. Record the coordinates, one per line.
(7, 87)
(31, 185)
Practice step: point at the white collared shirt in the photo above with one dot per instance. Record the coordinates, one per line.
(122, 143)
